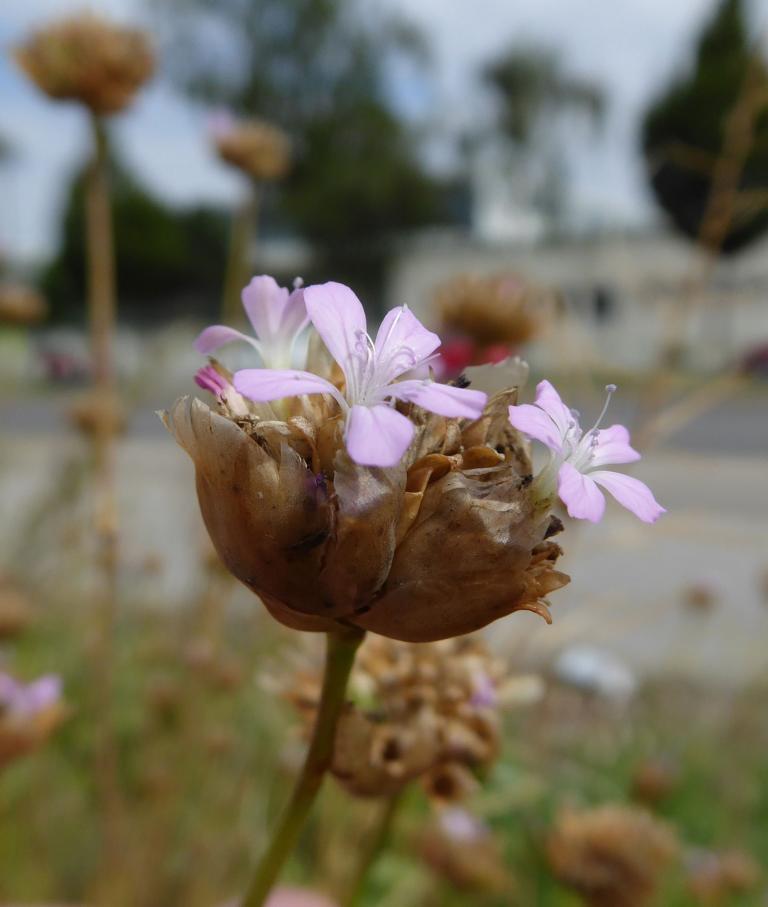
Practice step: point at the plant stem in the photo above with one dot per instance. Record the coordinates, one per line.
(101, 322)
(238, 261)
(377, 843)
(339, 657)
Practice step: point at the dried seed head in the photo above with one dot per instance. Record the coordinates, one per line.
(716, 878)
(259, 149)
(20, 304)
(461, 849)
(502, 309)
(15, 609)
(88, 59)
(614, 856)
(98, 413)
(424, 712)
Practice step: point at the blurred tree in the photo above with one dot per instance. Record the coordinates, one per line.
(533, 91)
(533, 86)
(168, 262)
(318, 69)
(707, 137)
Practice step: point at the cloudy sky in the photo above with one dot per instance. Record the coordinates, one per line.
(631, 47)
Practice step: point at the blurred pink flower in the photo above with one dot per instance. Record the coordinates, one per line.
(25, 700)
(376, 434)
(287, 896)
(577, 457)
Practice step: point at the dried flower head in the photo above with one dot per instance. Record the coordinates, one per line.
(614, 856)
(98, 413)
(259, 149)
(21, 304)
(15, 610)
(460, 848)
(428, 712)
(29, 713)
(89, 59)
(502, 309)
(655, 779)
(716, 878)
(347, 497)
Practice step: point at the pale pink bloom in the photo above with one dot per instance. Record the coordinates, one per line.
(376, 434)
(25, 700)
(277, 317)
(577, 458)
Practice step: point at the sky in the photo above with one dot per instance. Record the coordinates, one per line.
(630, 47)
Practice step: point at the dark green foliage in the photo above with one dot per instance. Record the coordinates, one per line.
(690, 118)
(168, 262)
(317, 69)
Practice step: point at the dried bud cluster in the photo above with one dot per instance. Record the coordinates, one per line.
(88, 59)
(15, 609)
(437, 546)
(502, 309)
(260, 150)
(614, 856)
(427, 712)
(20, 304)
(98, 413)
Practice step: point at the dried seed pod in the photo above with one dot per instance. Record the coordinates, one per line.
(614, 856)
(258, 149)
(88, 59)
(20, 304)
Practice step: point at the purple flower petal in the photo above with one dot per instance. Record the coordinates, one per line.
(443, 399)
(265, 384)
(339, 318)
(613, 447)
(218, 335)
(295, 315)
(377, 435)
(548, 399)
(631, 493)
(264, 303)
(401, 343)
(580, 494)
(535, 423)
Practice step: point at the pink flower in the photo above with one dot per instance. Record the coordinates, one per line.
(577, 457)
(277, 317)
(25, 700)
(376, 434)
(215, 383)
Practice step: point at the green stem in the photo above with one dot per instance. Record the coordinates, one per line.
(374, 847)
(339, 658)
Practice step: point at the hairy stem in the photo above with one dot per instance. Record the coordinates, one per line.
(339, 658)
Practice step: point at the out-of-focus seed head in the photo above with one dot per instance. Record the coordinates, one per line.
(15, 609)
(21, 305)
(461, 849)
(89, 59)
(258, 149)
(98, 413)
(500, 309)
(714, 878)
(613, 856)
